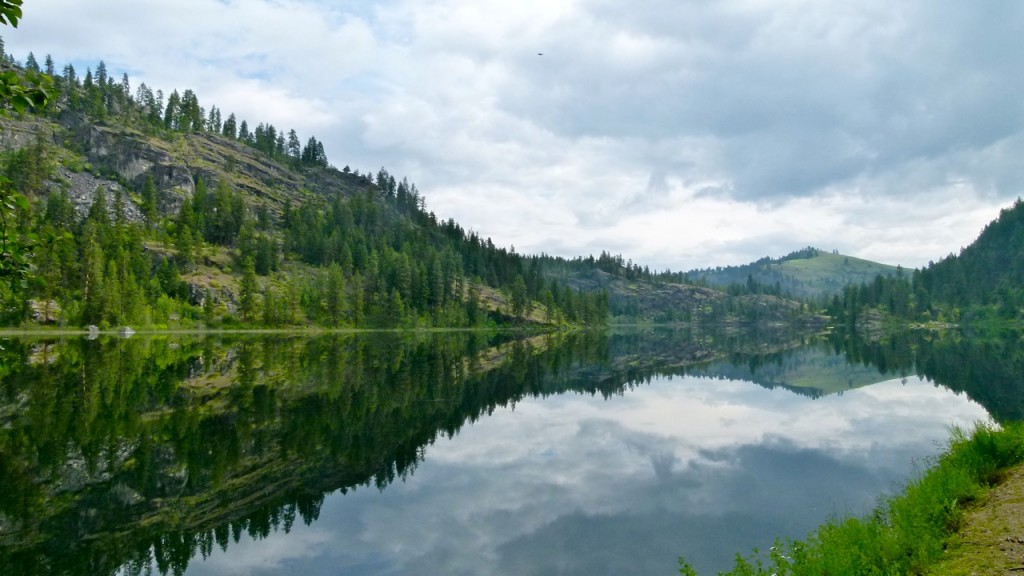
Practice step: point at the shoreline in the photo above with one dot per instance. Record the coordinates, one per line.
(962, 516)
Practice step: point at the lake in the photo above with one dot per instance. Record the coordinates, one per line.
(463, 453)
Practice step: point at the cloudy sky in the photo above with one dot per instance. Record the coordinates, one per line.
(678, 133)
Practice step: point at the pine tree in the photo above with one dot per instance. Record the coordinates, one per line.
(126, 88)
(294, 146)
(248, 291)
(149, 201)
(270, 305)
(185, 244)
(172, 114)
(474, 315)
(101, 74)
(335, 295)
(209, 311)
(92, 275)
(519, 298)
(230, 129)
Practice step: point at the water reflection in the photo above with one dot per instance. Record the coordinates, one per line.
(575, 484)
(441, 454)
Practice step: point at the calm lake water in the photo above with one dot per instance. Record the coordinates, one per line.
(457, 454)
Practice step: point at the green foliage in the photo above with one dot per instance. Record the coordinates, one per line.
(149, 207)
(15, 246)
(19, 92)
(401, 266)
(10, 12)
(25, 91)
(248, 291)
(29, 89)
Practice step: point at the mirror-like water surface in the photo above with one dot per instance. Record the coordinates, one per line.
(577, 484)
(453, 453)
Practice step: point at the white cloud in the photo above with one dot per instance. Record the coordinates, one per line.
(795, 118)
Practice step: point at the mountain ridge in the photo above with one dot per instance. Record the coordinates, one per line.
(806, 273)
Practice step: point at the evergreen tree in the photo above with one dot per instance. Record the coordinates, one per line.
(92, 274)
(149, 201)
(335, 295)
(185, 245)
(248, 292)
(172, 114)
(101, 75)
(209, 310)
(126, 88)
(294, 146)
(519, 298)
(230, 129)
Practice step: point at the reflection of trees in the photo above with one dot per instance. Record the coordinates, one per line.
(136, 450)
(989, 369)
(147, 452)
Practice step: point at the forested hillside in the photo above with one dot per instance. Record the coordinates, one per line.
(140, 208)
(806, 273)
(984, 282)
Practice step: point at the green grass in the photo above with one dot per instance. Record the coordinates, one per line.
(907, 533)
(833, 269)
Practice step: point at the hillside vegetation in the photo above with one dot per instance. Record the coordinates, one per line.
(807, 273)
(982, 285)
(148, 209)
(143, 210)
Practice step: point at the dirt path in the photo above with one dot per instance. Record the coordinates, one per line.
(991, 541)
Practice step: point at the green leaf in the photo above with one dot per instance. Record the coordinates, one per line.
(21, 202)
(10, 12)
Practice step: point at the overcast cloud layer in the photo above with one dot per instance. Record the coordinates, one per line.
(679, 133)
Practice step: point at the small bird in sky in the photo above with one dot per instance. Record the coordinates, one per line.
(540, 53)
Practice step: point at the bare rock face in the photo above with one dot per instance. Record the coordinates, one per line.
(19, 134)
(130, 157)
(118, 157)
(81, 188)
(198, 293)
(45, 311)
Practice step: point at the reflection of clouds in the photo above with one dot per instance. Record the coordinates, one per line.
(575, 484)
(269, 556)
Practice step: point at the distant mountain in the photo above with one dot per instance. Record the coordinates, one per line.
(805, 273)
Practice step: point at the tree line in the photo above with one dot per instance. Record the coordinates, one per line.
(102, 97)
